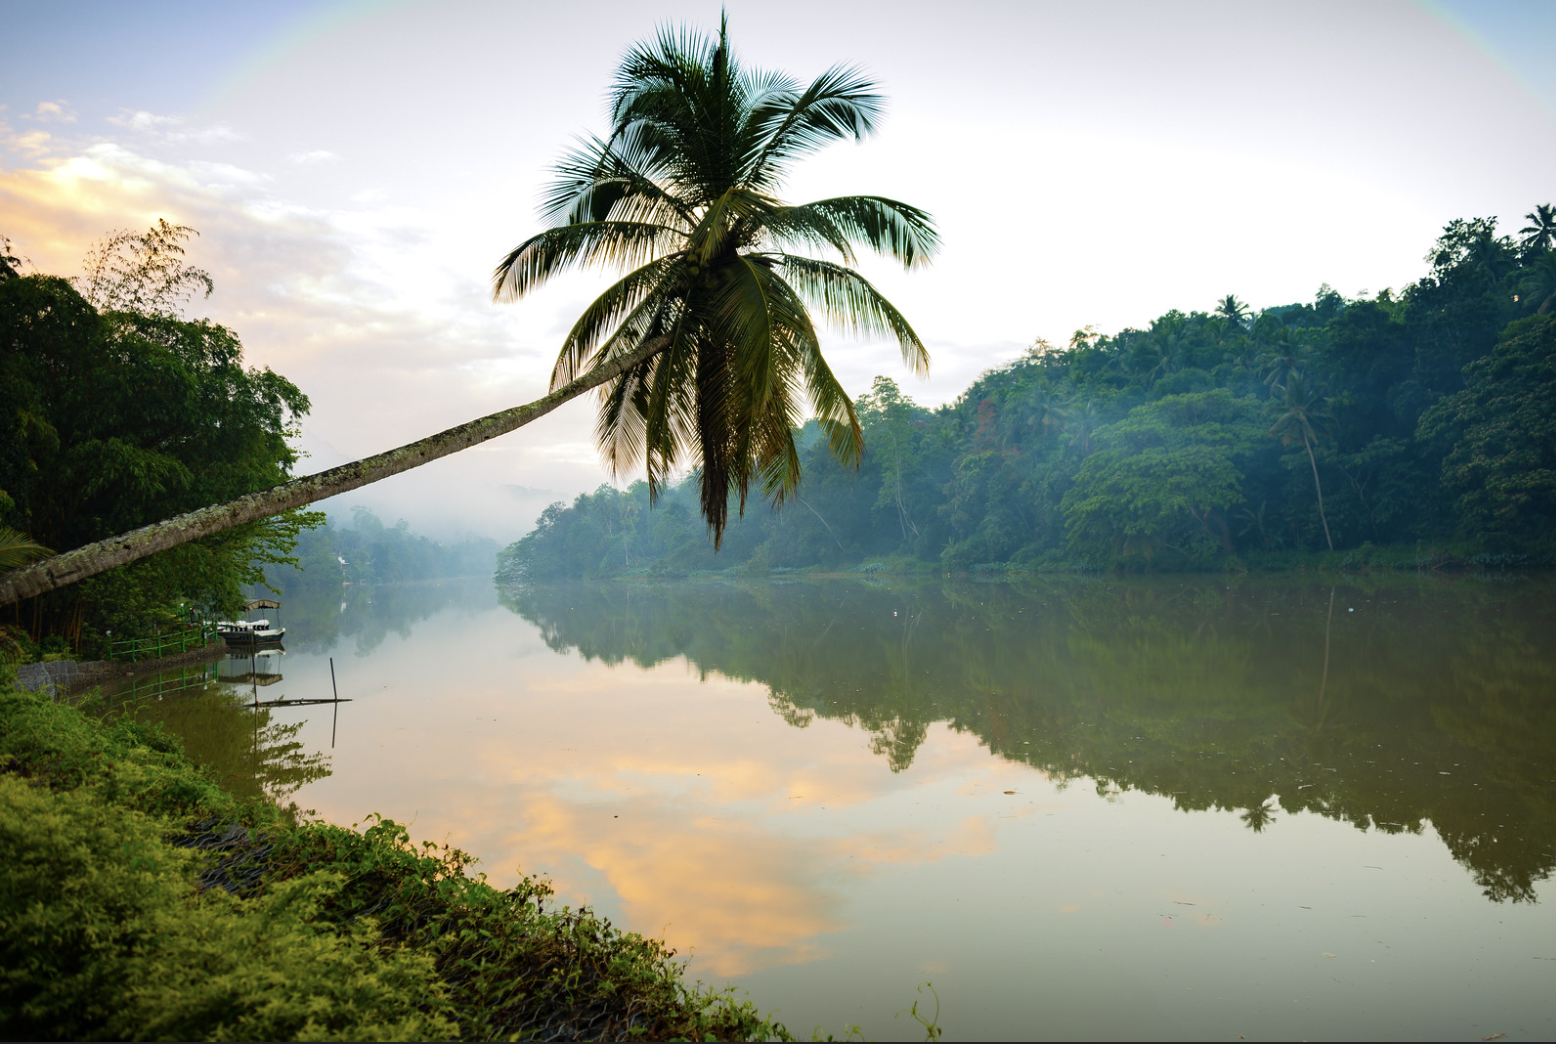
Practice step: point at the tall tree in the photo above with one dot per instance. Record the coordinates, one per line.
(1303, 414)
(706, 344)
(1540, 232)
(1233, 311)
(683, 193)
(1539, 282)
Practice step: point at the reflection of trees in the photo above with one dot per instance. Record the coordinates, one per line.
(1218, 695)
(319, 619)
(247, 751)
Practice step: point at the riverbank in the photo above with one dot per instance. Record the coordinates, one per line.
(139, 899)
(61, 679)
(1327, 565)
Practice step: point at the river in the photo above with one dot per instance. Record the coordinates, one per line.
(1082, 808)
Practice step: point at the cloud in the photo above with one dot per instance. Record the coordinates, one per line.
(314, 156)
(53, 112)
(32, 145)
(367, 306)
(172, 129)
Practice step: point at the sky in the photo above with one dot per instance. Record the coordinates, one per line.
(356, 169)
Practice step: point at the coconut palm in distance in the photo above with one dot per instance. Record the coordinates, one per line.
(1540, 232)
(1302, 412)
(706, 343)
(1235, 312)
(683, 194)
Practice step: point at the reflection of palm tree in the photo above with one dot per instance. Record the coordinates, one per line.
(1314, 721)
(1540, 233)
(1305, 412)
(1259, 818)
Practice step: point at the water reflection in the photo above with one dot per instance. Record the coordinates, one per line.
(248, 749)
(793, 782)
(1389, 706)
(323, 620)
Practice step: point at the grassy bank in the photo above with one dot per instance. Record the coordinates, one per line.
(138, 899)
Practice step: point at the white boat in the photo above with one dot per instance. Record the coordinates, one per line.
(251, 634)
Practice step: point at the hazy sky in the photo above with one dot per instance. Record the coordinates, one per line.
(356, 170)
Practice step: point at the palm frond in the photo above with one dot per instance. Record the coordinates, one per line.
(851, 302)
(555, 250)
(634, 296)
(17, 549)
(839, 104)
(888, 227)
(615, 180)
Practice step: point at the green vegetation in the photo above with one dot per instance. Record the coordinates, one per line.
(139, 899)
(1402, 427)
(116, 412)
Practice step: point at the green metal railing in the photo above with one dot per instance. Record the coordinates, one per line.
(158, 645)
(167, 683)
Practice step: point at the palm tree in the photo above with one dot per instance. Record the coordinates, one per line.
(1539, 284)
(1233, 311)
(1488, 256)
(1540, 233)
(683, 193)
(1281, 359)
(1082, 427)
(1045, 409)
(706, 344)
(1305, 413)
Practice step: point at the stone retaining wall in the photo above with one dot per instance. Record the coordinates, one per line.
(66, 677)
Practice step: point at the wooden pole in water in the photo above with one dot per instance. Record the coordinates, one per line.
(335, 720)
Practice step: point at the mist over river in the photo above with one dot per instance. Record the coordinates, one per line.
(1082, 808)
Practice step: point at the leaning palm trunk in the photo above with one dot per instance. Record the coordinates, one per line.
(1318, 486)
(72, 566)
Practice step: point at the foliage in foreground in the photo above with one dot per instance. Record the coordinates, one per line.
(139, 900)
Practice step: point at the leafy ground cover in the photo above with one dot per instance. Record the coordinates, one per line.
(138, 899)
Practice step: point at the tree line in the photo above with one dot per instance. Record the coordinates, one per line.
(1423, 420)
(115, 412)
(368, 552)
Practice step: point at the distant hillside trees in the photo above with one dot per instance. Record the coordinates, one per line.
(1421, 417)
(369, 552)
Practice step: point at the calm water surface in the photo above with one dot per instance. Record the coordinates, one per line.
(1105, 809)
